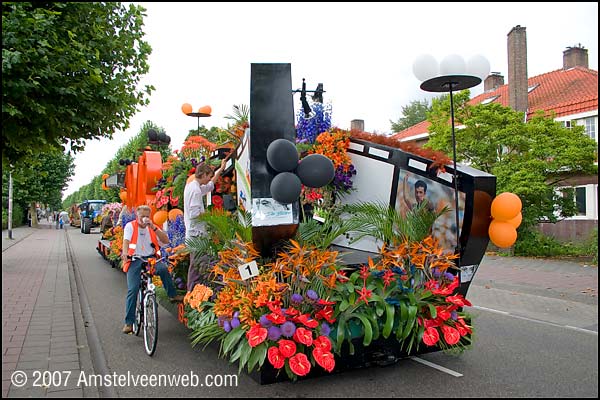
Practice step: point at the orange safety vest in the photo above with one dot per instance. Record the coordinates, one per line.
(133, 244)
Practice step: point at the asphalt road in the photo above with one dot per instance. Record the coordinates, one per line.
(517, 353)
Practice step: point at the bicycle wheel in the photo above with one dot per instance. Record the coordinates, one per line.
(139, 313)
(150, 323)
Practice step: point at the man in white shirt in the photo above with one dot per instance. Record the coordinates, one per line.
(142, 238)
(193, 206)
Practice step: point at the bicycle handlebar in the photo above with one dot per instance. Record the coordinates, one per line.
(146, 258)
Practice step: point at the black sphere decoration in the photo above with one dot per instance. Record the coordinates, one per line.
(282, 155)
(152, 135)
(315, 170)
(121, 162)
(286, 187)
(162, 137)
(168, 139)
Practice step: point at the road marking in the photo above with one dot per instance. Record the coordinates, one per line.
(438, 367)
(537, 320)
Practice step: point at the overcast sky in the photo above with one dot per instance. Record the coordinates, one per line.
(362, 52)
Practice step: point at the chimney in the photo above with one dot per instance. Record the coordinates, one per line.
(493, 82)
(575, 57)
(517, 69)
(357, 125)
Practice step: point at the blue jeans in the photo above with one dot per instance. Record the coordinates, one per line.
(133, 284)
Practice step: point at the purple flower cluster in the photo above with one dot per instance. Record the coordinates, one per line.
(176, 231)
(227, 324)
(307, 129)
(127, 218)
(343, 179)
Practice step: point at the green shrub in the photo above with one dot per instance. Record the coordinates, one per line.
(535, 244)
(18, 217)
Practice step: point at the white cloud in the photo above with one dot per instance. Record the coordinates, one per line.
(361, 52)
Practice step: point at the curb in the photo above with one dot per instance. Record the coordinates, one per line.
(86, 328)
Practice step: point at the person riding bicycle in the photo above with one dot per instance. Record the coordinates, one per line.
(142, 238)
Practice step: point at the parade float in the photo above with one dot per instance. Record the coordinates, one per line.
(322, 264)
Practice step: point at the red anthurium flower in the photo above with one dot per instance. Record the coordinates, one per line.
(276, 318)
(431, 323)
(454, 283)
(275, 306)
(462, 322)
(442, 313)
(299, 364)
(461, 329)
(431, 284)
(365, 294)
(291, 311)
(459, 300)
(287, 348)
(275, 357)
(444, 291)
(303, 336)
(256, 335)
(451, 335)
(323, 343)
(327, 314)
(217, 201)
(191, 171)
(431, 336)
(322, 302)
(324, 359)
(307, 321)
(175, 201)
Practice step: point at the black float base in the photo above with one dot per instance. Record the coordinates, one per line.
(380, 353)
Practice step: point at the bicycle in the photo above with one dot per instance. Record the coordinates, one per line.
(146, 309)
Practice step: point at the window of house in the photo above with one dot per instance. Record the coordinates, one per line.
(589, 124)
(590, 127)
(580, 200)
(567, 124)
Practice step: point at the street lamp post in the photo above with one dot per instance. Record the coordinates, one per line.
(450, 75)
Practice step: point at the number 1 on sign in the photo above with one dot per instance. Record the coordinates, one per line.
(248, 270)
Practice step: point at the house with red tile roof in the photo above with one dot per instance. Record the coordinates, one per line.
(571, 93)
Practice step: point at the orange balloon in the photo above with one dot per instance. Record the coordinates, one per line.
(104, 176)
(186, 108)
(502, 234)
(160, 217)
(516, 221)
(205, 110)
(174, 213)
(123, 196)
(506, 206)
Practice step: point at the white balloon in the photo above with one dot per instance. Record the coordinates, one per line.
(425, 67)
(478, 66)
(453, 65)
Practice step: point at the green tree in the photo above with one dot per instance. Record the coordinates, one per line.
(533, 160)
(70, 72)
(413, 113)
(40, 180)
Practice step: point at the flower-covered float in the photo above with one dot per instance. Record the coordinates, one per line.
(304, 278)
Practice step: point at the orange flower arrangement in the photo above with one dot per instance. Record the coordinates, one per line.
(196, 146)
(333, 144)
(197, 296)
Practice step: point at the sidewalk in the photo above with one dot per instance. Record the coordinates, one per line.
(38, 314)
